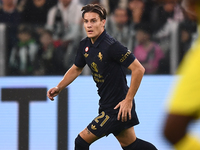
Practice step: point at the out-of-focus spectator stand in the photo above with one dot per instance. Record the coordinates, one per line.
(120, 27)
(35, 12)
(167, 35)
(111, 5)
(2, 50)
(10, 16)
(49, 60)
(165, 20)
(22, 60)
(147, 51)
(85, 2)
(187, 33)
(64, 20)
(140, 10)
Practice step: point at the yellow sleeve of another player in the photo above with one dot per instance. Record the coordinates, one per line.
(185, 98)
(188, 143)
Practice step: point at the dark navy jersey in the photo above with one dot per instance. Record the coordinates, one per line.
(106, 58)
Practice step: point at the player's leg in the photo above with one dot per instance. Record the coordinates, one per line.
(175, 131)
(100, 126)
(126, 137)
(175, 127)
(84, 139)
(129, 141)
(95, 130)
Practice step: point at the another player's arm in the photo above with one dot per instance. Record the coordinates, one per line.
(137, 72)
(68, 78)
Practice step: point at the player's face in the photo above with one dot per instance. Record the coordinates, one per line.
(93, 25)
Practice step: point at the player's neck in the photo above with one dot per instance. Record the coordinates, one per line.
(93, 39)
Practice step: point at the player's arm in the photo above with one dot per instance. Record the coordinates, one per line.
(69, 77)
(137, 72)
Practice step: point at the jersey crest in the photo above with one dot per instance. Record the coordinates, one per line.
(100, 56)
(86, 55)
(87, 49)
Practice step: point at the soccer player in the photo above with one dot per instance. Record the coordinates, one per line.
(184, 105)
(107, 59)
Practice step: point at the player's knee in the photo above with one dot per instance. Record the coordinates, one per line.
(81, 144)
(139, 144)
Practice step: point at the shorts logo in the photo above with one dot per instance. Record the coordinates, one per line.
(93, 127)
(86, 49)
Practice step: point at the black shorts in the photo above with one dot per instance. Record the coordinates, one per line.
(106, 123)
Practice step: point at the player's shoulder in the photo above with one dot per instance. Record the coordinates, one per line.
(112, 42)
(84, 41)
(109, 40)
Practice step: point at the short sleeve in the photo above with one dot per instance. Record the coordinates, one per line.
(79, 59)
(121, 54)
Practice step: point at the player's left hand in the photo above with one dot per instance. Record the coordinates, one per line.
(125, 108)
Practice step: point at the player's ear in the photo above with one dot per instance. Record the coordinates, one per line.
(103, 22)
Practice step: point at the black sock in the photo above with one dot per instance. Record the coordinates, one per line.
(81, 144)
(139, 144)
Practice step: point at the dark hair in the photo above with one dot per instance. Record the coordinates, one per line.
(96, 8)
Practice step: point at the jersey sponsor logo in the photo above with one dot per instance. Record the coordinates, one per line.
(98, 80)
(86, 55)
(98, 77)
(94, 67)
(125, 56)
(87, 49)
(100, 56)
(93, 127)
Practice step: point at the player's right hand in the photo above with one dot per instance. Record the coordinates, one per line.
(53, 92)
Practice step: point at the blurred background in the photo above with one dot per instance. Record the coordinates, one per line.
(40, 37)
(38, 44)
